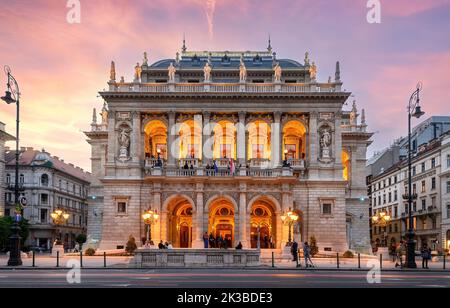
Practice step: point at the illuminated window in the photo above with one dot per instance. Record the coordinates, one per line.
(258, 151)
(346, 165)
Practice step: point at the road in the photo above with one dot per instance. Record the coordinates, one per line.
(222, 278)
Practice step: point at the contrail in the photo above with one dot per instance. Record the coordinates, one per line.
(210, 9)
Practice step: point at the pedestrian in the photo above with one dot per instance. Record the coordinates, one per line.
(271, 242)
(169, 245)
(161, 245)
(205, 240)
(307, 254)
(294, 251)
(426, 256)
(77, 248)
(266, 241)
(401, 250)
(211, 241)
(239, 246)
(392, 250)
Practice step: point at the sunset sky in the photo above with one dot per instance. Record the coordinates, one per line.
(61, 67)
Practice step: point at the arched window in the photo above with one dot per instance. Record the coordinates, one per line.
(44, 180)
(346, 165)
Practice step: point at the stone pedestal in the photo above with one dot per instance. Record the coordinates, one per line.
(55, 250)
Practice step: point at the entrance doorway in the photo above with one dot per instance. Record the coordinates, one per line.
(221, 223)
(262, 220)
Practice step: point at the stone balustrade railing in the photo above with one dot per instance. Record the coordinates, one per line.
(226, 87)
(250, 172)
(194, 162)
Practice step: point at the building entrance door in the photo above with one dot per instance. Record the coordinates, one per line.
(184, 237)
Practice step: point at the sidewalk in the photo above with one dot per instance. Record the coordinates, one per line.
(45, 261)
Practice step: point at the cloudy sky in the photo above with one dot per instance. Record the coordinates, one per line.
(62, 66)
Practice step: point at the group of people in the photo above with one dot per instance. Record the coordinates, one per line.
(219, 241)
(306, 254)
(399, 250)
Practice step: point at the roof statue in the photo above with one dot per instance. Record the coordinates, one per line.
(277, 72)
(104, 115)
(306, 58)
(177, 58)
(207, 72)
(363, 117)
(145, 61)
(313, 71)
(112, 74)
(242, 71)
(137, 72)
(94, 117)
(354, 114)
(171, 72)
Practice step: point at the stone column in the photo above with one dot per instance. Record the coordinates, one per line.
(313, 145)
(338, 145)
(171, 137)
(206, 133)
(112, 149)
(243, 236)
(135, 140)
(241, 142)
(197, 226)
(275, 140)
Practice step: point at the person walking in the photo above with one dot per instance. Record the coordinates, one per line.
(211, 241)
(307, 255)
(401, 250)
(294, 251)
(426, 256)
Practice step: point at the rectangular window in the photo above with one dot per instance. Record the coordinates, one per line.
(326, 209)
(423, 167)
(424, 204)
(44, 215)
(448, 161)
(414, 170)
(448, 211)
(433, 183)
(433, 162)
(395, 179)
(395, 195)
(414, 206)
(390, 197)
(374, 201)
(384, 198)
(379, 200)
(422, 190)
(395, 212)
(414, 190)
(448, 187)
(122, 206)
(433, 202)
(44, 199)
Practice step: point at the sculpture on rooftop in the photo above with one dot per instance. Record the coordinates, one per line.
(277, 72)
(171, 72)
(313, 71)
(242, 71)
(112, 73)
(104, 115)
(137, 72)
(207, 72)
(145, 62)
(354, 114)
(306, 58)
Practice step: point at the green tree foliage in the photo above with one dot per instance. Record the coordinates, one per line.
(131, 245)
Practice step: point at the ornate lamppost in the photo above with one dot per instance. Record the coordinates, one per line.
(382, 219)
(288, 219)
(12, 96)
(414, 110)
(60, 217)
(150, 218)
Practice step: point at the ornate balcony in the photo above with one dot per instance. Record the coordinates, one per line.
(153, 162)
(201, 172)
(225, 87)
(194, 162)
(297, 164)
(262, 163)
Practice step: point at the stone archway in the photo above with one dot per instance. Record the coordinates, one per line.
(222, 211)
(263, 212)
(177, 217)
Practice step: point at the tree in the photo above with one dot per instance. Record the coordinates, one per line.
(313, 246)
(131, 245)
(5, 231)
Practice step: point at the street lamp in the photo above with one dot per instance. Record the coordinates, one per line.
(288, 219)
(150, 218)
(382, 219)
(414, 110)
(12, 96)
(59, 218)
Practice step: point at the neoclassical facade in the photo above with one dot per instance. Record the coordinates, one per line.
(226, 143)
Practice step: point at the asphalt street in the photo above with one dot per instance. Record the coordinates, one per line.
(223, 278)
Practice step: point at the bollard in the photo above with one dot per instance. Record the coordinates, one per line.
(81, 259)
(273, 259)
(104, 259)
(337, 259)
(57, 259)
(359, 260)
(381, 261)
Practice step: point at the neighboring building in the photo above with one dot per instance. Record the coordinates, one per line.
(243, 113)
(4, 136)
(48, 183)
(390, 188)
(445, 191)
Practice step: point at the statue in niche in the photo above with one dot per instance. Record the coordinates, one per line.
(207, 72)
(171, 71)
(124, 141)
(325, 143)
(242, 72)
(277, 72)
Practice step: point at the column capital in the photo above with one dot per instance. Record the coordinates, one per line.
(313, 114)
(242, 115)
(171, 114)
(277, 116)
(135, 114)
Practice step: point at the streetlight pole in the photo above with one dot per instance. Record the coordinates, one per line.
(12, 95)
(414, 110)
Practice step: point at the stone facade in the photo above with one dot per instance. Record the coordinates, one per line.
(221, 150)
(4, 136)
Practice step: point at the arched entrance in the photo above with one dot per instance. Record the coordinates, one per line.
(180, 222)
(221, 223)
(263, 219)
(294, 140)
(155, 142)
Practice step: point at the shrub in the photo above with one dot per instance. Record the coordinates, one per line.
(131, 245)
(90, 252)
(349, 254)
(313, 246)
